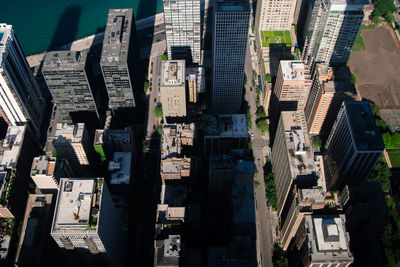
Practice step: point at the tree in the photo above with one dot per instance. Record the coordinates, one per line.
(260, 113)
(392, 141)
(245, 79)
(317, 141)
(353, 79)
(381, 124)
(262, 125)
(248, 119)
(375, 109)
(145, 86)
(381, 174)
(158, 112)
(268, 78)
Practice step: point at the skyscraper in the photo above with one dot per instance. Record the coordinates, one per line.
(353, 146)
(292, 85)
(21, 101)
(331, 30)
(117, 58)
(275, 15)
(65, 75)
(182, 29)
(231, 25)
(172, 89)
(85, 217)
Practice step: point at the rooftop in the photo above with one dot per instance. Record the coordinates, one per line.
(364, 131)
(168, 251)
(300, 155)
(11, 146)
(172, 73)
(232, 6)
(43, 165)
(327, 239)
(120, 168)
(243, 204)
(76, 203)
(171, 140)
(166, 214)
(233, 162)
(64, 60)
(106, 135)
(175, 165)
(5, 35)
(72, 132)
(276, 38)
(233, 125)
(117, 36)
(348, 3)
(293, 70)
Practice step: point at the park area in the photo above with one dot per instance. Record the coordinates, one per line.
(276, 37)
(375, 62)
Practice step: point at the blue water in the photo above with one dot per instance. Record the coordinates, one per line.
(46, 24)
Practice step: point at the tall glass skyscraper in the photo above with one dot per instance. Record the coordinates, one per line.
(21, 101)
(231, 26)
(182, 28)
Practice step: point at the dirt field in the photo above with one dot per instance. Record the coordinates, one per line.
(377, 68)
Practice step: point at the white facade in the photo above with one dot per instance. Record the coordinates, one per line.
(20, 98)
(231, 27)
(275, 15)
(332, 30)
(182, 29)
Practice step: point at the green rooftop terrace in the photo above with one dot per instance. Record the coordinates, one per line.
(276, 37)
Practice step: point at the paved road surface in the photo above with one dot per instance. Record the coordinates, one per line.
(263, 213)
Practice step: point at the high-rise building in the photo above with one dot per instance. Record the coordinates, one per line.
(274, 15)
(331, 30)
(231, 26)
(292, 85)
(85, 217)
(172, 89)
(321, 240)
(65, 75)
(327, 93)
(21, 101)
(107, 141)
(72, 142)
(292, 159)
(117, 58)
(182, 29)
(353, 146)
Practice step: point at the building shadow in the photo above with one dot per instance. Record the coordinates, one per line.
(66, 29)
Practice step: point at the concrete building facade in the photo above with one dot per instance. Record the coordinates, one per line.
(117, 58)
(273, 15)
(182, 29)
(353, 146)
(86, 218)
(21, 101)
(231, 26)
(172, 89)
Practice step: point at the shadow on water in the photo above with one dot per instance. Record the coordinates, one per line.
(67, 28)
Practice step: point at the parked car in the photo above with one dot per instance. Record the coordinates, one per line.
(155, 100)
(252, 137)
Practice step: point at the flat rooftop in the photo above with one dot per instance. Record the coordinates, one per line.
(72, 132)
(282, 38)
(174, 195)
(64, 60)
(327, 239)
(243, 203)
(117, 36)
(232, 6)
(107, 135)
(226, 126)
(173, 73)
(365, 133)
(170, 141)
(315, 195)
(349, 2)
(120, 168)
(74, 204)
(43, 165)
(11, 146)
(175, 165)
(293, 70)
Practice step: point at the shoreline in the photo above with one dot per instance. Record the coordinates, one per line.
(86, 42)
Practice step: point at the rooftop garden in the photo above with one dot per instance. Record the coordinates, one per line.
(276, 38)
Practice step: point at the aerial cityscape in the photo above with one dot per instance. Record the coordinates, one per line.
(220, 133)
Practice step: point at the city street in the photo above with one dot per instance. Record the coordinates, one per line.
(263, 213)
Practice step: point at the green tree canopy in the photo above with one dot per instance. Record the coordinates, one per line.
(262, 125)
(391, 140)
(158, 112)
(317, 141)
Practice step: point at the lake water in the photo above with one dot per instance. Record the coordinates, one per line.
(47, 24)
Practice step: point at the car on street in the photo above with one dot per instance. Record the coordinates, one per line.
(252, 137)
(159, 94)
(251, 88)
(155, 100)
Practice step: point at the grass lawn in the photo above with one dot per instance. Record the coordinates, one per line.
(370, 26)
(394, 155)
(359, 43)
(276, 37)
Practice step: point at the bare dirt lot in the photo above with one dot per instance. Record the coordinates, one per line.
(377, 68)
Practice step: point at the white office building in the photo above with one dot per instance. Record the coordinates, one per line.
(182, 29)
